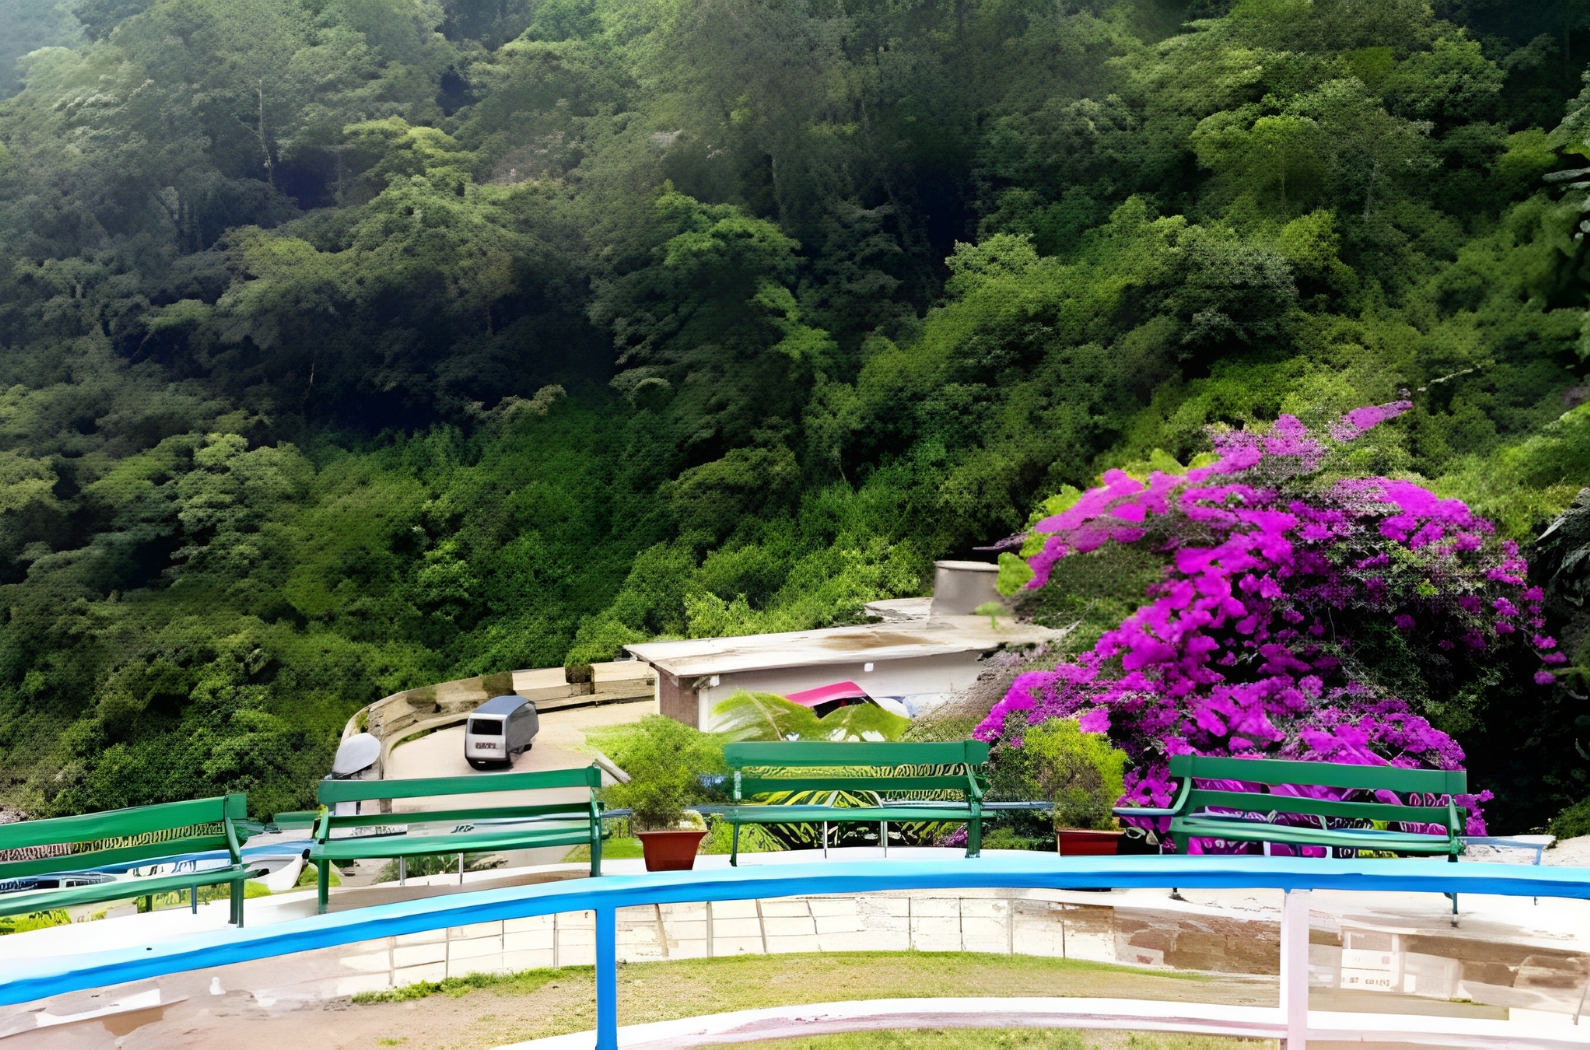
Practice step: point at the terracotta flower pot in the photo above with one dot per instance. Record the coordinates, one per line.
(670, 850)
(1075, 842)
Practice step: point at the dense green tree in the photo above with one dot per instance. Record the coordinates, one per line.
(350, 345)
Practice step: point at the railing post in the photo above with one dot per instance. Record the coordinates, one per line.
(606, 979)
(1294, 968)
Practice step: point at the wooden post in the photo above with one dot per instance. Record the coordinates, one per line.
(1294, 968)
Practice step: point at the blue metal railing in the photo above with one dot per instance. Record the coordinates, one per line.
(22, 982)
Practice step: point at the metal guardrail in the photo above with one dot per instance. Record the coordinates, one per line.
(37, 978)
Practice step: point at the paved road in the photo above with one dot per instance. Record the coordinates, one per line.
(441, 754)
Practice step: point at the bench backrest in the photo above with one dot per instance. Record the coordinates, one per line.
(1434, 788)
(857, 766)
(333, 791)
(123, 836)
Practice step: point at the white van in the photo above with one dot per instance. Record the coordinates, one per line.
(499, 731)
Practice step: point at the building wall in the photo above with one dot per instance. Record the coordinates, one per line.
(677, 700)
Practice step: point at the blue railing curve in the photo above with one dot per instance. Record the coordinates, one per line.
(35, 979)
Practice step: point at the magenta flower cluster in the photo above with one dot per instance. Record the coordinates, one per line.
(1244, 647)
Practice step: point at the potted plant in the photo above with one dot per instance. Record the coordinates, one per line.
(1082, 775)
(665, 762)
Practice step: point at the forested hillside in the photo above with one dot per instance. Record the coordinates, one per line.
(351, 345)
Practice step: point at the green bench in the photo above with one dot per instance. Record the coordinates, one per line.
(123, 837)
(867, 770)
(577, 822)
(1190, 816)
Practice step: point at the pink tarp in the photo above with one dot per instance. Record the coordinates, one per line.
(824, 694)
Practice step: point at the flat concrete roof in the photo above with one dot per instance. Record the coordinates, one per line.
(876, 641)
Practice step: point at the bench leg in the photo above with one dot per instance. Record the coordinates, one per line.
(974, 836)
(237, 903)
(734, 848)
(323, 882)
(193, 898)
(883, 837)
(596, 850)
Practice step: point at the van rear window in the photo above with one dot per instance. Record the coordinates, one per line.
(485, 726)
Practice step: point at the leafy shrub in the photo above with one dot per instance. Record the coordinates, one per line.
(666, 762)
(1572, 822)
(1057, 762)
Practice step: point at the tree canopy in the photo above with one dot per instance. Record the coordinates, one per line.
(353, 345)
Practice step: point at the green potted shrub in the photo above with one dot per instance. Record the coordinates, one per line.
(665, 762)
(1079, 772)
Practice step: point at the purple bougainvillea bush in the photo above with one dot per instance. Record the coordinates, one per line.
(1287, 585)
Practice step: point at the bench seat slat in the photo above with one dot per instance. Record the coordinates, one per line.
(410, 845)
(332, 791)
(122, 889)
(760, 785)
(578, 809)
(843, 814)
(1255, 831)
(1274, 771)
(122, 823)
(106, 858)
(785, 754)
(1256, 802)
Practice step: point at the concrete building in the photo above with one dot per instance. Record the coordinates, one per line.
(921, 652)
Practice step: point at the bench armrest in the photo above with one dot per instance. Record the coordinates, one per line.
(233, 846)
(1145, 811)
(320, 830)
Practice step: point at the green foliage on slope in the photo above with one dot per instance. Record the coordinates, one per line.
(352, 345)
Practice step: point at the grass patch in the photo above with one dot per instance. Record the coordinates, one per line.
(522, 983)
(39, 920)
(534, 1004)
(612, 849)
(1009, 1039)
(310, 876)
